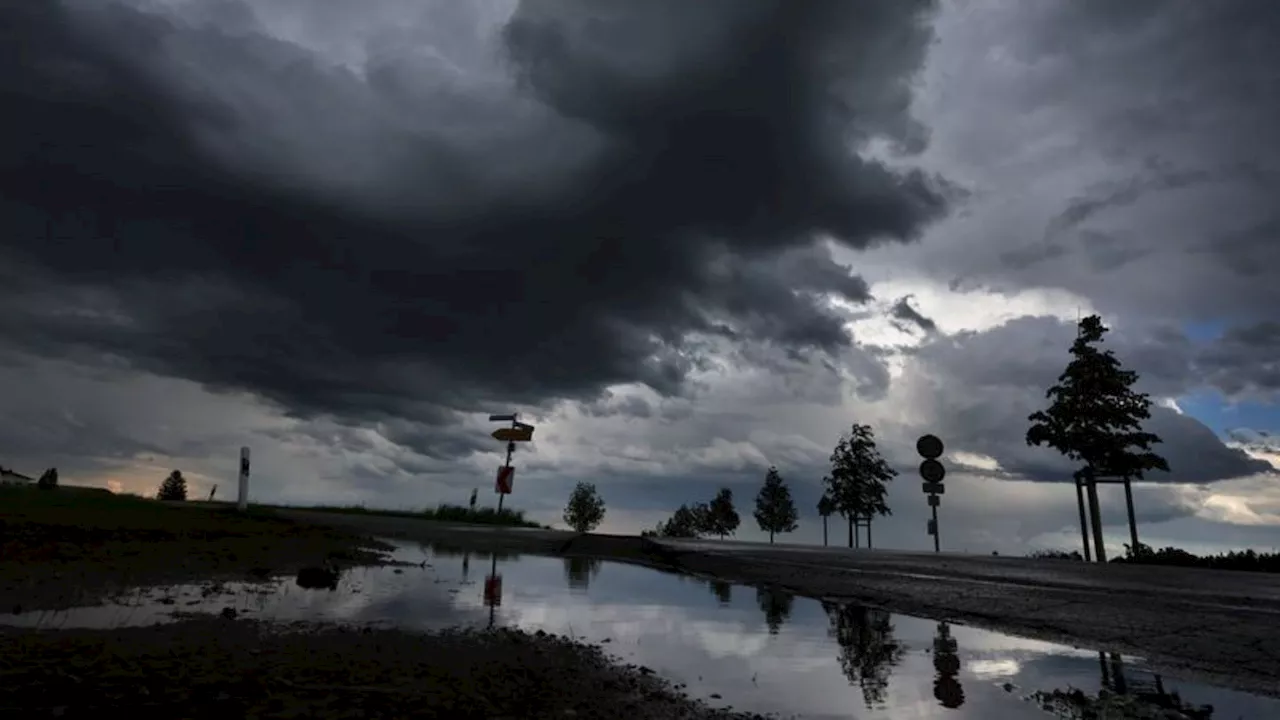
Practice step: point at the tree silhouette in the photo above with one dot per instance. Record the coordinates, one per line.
(826, 508)
(1095, 418)
(775, 512)
(579, 571)
(776, 605)
(857, 483)
(686, 522)
(174, 487)
(585, 510)
(48, 479)
(946, 665)
(722, 518)
(722, 590)
(868, 649)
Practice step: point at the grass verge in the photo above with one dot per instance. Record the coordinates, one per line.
(60, 549)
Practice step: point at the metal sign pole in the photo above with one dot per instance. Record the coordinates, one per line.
(937, 546)
(511, 448)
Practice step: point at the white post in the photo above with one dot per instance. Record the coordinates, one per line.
(243, 501)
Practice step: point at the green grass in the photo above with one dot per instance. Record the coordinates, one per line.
(90, 508)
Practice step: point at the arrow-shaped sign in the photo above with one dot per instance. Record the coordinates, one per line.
(516, 434)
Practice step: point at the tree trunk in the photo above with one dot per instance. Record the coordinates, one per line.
(824, 531)
(850, 519)
(1095, 510)
(868, 533)
(1084, 523)
(770, 537)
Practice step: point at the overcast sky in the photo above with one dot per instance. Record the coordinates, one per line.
(687, 241)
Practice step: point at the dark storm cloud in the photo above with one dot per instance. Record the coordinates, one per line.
(1139, 151)
(1246, 359)
(289, 233)
(903, 312)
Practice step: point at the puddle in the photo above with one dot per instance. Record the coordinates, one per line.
(755, 650)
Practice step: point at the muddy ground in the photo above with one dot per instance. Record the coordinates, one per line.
(60, 550)
(217, 668)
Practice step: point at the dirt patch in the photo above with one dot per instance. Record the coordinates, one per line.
(215, 668)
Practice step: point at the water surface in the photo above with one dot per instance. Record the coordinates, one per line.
(758, 650)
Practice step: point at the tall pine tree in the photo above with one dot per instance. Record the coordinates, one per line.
(775, 511)
(1095, 418)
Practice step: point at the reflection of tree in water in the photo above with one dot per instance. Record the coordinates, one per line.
(579, 571)
(868, 649)
(722, 590)
(776, 605)
(1123, 697)
(946, 662)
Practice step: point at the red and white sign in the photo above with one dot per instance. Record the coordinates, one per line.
(505, 477)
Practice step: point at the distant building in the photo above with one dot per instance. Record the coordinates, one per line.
(12, 477)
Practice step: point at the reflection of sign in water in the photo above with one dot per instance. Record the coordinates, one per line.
(946, 661)
(493, 590)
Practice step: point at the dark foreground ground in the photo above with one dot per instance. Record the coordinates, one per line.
(1219, 626)
(61, 550)
(216, 668)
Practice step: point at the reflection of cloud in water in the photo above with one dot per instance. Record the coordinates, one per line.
(994, 669)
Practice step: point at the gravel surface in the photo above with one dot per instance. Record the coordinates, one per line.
(220, 668)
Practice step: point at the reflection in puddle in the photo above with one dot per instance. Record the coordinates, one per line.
(758, 649)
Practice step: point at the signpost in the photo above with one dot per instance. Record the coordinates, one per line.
(502, 485)
(518, 432)
(932, 472)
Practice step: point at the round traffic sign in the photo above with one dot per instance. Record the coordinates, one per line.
(929, 446)
(932, 471)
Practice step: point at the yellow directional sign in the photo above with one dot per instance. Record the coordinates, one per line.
(518, 434)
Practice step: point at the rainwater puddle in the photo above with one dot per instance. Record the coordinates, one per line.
(755, 650)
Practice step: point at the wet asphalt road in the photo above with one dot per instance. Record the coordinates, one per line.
(1217, 626)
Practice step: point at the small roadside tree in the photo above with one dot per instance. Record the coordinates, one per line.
(174, 487)
(585, 510)
(686, 522)
(722, 518)
(826, 508)
(1095, 418)
(858, 479)
(48, 479)
(775, 511)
